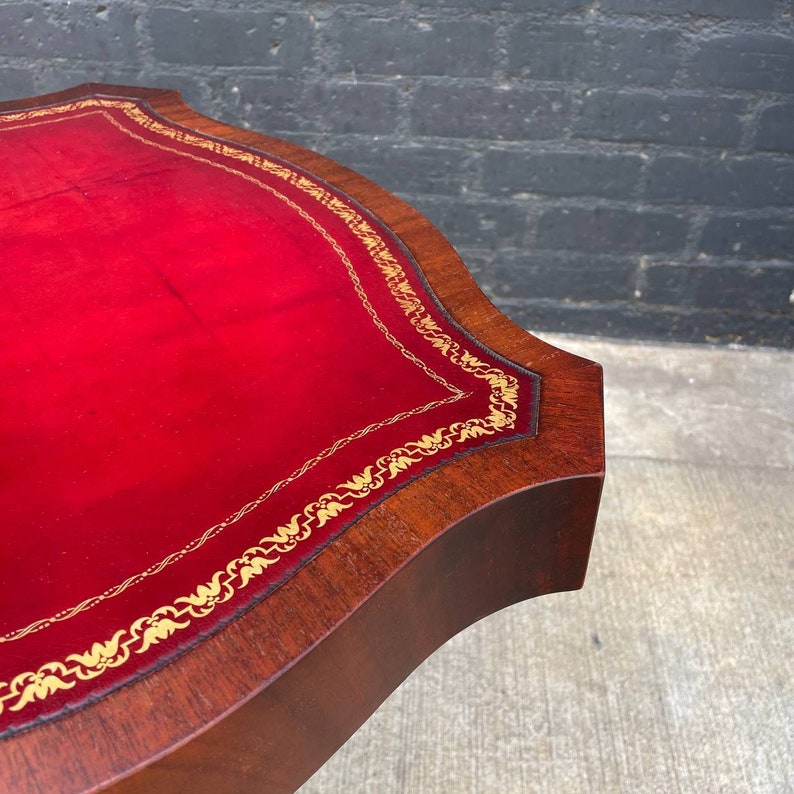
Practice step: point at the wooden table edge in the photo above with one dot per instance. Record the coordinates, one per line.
(225, 715)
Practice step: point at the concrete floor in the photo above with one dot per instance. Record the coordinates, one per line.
(672, 670)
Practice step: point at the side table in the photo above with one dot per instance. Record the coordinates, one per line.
(266, 447)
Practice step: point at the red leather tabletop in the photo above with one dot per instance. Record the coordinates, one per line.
(211, 363)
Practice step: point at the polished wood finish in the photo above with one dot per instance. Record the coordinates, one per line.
(263, 703)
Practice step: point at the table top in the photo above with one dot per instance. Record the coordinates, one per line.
(243, 389)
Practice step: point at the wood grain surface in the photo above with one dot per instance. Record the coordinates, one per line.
(671, 671)
(262, 704)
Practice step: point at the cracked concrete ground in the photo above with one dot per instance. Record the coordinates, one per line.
(671, 671)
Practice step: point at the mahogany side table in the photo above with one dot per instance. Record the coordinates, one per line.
(266, 447)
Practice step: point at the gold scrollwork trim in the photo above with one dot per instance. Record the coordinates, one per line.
(216, 529)
(162, 623)
(165, 621)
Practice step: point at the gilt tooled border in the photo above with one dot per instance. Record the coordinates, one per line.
(149, 630)
(216, 529)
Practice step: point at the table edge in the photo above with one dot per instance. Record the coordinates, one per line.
(567, 449)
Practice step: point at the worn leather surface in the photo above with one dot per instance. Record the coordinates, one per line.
(210, 364)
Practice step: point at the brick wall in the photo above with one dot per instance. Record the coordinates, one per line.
(622, 167)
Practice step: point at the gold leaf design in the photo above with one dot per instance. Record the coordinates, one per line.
(164, 622)
(155, 628)
(28, 687)
(398, 462)
(288, 533)
(363, 483)
(101, 656)
(254, 566)
(329, 506)
(206, 596)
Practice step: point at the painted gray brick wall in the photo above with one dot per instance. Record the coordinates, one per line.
(618, 167)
